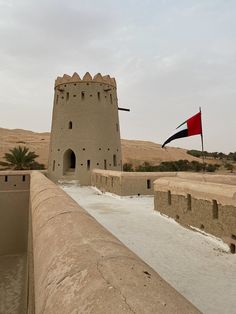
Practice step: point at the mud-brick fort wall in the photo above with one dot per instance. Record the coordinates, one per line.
(87, 269)
(208, 206)
(126, 183)
(142, 183)
(85, 127)
(72, 263)
(14, 205)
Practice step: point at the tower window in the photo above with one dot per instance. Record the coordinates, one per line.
(6, 178)
(148, 184)
(99, 97)
(215, 212)
(232, 248)
(114, 161)
(53, 166)
(82, 95)
(169, 197)
(67, 96)
(23, 178)
(105, 164)
(111, 98)
(189, 202)
(70, 125)
(88, 164)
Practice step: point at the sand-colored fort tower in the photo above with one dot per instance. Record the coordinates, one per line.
(85, 130)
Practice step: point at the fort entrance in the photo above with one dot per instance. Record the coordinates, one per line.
(69, 162)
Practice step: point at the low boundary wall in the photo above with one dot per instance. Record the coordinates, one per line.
(14, 205)
(14, 209)
(126, 183)
(79, 267)
(208, 206)
(142, 183)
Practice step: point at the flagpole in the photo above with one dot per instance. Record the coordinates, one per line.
(203, 159)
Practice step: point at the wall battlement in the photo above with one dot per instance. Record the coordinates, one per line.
(75, 78)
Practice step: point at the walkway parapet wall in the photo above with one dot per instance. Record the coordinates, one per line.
(79, 267)
(14, 205)
(208, 206)
(142, 183)
(126, 183)
(14, 209)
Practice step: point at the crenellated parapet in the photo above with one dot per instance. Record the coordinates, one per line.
(75, 78)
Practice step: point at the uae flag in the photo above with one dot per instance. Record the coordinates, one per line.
(192, 126)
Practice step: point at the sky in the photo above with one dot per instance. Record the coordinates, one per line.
(168, 57)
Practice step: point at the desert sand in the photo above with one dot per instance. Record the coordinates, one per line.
(133, 151)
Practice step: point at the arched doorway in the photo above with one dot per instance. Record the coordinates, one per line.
(69, 162)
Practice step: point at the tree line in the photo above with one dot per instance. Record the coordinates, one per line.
(165, 166)
(216, 155)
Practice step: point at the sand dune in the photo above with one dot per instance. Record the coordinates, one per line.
(133, 151)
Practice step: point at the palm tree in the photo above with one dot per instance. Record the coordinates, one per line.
(19, 158)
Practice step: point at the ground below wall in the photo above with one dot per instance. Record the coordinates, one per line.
(12, 284)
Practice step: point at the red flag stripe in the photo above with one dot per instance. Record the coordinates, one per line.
(195, 124)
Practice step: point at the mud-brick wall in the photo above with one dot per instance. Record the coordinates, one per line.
(126, 183)
(14, 205)
(79, 267)
(207, 206)
(142, 183)
(107, 181)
